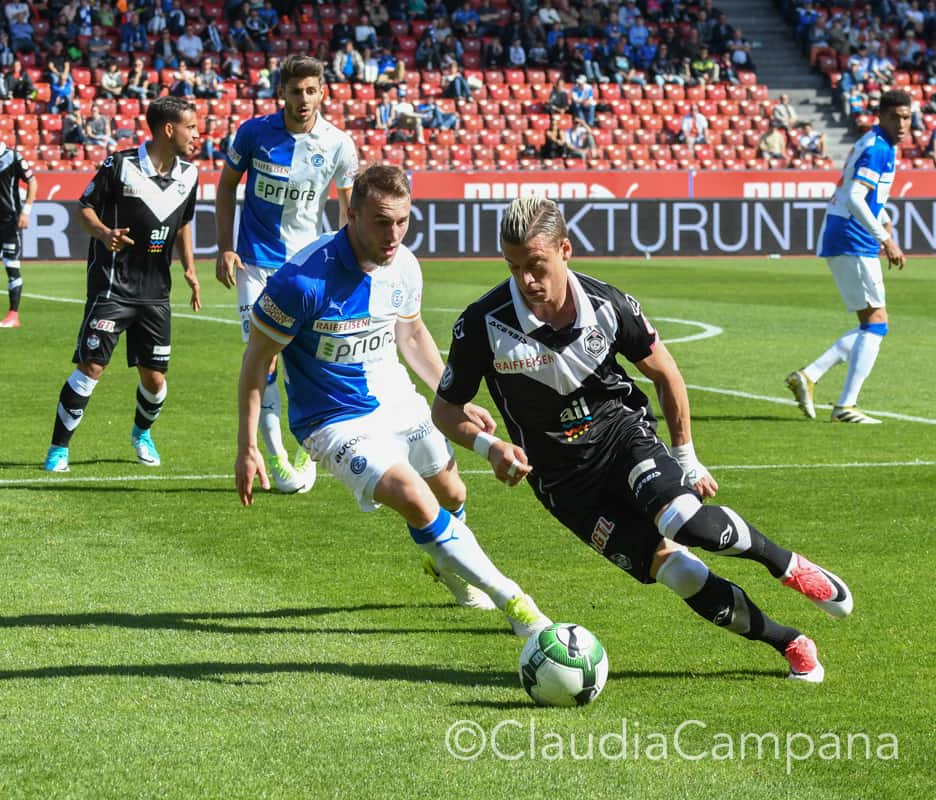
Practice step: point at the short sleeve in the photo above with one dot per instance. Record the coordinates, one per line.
(636, 336)
(469, 359)
(346, 168)
(870, 165)
(102, 189)
(23, 169)
(285, 304)
(238, 153)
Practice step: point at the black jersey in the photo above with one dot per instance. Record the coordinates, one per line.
(13, 169)
(563, 395)
(128, 192)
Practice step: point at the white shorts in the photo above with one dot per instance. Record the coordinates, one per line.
(359, 451)
(859, 280)
(251, 281)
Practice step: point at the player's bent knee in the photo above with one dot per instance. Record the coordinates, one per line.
(676, 514)
(683, 573)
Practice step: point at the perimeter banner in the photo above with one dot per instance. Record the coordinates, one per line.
(607, 228)
(581, 185)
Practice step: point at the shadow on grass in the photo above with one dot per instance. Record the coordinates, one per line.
(223, 672)
(215, 622)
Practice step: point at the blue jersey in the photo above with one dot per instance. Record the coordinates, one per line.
(288, 177)
(339, 327)
(872, 162)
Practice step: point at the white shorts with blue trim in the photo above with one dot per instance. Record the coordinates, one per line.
(859, 280)
(359, 451)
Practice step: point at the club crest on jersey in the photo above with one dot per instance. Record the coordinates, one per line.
(621, 560)
(575, 419)
(318, 160)
(396, 298)
(358, 464)
(602, 532)
(93, 342)
(157, 239)
(596, 344)
(274, 312)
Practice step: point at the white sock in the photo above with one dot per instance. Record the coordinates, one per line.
(860, 364)
(271, 407)
(836, 354)
(453, 547)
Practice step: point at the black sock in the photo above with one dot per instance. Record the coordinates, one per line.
(71, 407)
(14, 286)
(725, 604)
(148, 407)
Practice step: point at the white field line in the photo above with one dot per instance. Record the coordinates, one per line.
(707, 332)
(715, 468)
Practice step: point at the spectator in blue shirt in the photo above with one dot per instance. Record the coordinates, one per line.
(583, 100)
(133, 36)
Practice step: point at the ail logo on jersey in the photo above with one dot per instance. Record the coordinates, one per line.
(341, 325)
(356, 349)
(575, 419)
(280, 192)
(602, 532)
(104, 325)
(268, 167)
(158, 239)
(596, 344)
(274, 312)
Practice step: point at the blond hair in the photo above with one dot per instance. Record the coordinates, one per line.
(529, 217)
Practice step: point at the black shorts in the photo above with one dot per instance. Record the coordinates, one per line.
(11, 240)
(147, 327)
(617, 517)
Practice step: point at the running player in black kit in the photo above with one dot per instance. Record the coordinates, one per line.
(584, 436)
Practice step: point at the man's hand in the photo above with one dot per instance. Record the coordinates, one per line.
(225, 267)
(249, 465)
(195, 301)
(698, 476)
(481, 417)
(23, 221)
(116, 239)
(509, 462)
(895, 256)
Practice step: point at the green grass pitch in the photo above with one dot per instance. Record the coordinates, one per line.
(158, 640)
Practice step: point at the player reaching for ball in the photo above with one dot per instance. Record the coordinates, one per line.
(584, 436)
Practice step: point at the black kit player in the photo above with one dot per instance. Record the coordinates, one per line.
(139, 204)
(584, 436)
(14, 216)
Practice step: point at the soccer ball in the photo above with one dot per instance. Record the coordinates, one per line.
(563, 665)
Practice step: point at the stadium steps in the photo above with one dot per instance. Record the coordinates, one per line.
(785, 70)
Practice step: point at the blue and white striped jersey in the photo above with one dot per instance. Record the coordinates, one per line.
(338, 325)
(872, 162)
(288, 177)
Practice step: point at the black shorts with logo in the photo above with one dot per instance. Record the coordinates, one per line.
(11, 240)
(147, 327)
(617, 518)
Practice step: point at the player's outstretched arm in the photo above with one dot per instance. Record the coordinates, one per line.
(509, 461)
(253, 376)
(660, 367)
(114, 239)
(226, 198)
(186, 251)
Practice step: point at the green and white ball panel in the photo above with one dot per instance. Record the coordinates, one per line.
(563, 665)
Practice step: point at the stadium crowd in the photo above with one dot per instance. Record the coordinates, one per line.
(477, 83)
(867, 48)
